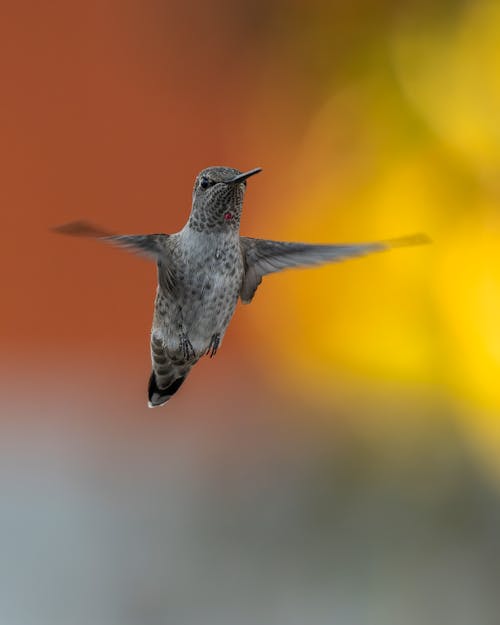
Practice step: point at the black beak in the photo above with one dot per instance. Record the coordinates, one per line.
(242, 177)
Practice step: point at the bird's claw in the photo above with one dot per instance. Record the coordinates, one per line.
(214, 345)
(186, 347)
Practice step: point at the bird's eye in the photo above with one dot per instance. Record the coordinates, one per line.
(205, 182)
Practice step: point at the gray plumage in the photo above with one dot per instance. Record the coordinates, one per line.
(204, 268)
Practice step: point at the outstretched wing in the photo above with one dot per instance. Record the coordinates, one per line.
(261, 256)
(150, 245)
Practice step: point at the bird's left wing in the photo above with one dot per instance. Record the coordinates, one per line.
(150, 245)
(261, 256)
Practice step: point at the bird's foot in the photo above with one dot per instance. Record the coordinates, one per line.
(214, 345)
(185, 347)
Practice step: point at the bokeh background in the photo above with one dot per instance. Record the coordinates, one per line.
(339, 461)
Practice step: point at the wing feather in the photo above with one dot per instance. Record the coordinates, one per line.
(263, 256)
(149, 245)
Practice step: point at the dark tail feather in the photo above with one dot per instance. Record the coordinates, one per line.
(159, 396)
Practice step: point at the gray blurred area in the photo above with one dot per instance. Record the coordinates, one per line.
(234, 517)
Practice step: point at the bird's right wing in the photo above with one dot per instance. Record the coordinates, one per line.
(150, 245)
(261, 256)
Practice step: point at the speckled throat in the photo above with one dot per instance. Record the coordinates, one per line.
(221, 212)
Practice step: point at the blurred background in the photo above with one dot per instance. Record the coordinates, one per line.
(339, 461)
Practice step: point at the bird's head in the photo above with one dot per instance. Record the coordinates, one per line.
(218, 198)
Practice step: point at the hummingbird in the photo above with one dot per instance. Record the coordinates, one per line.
(206, 267)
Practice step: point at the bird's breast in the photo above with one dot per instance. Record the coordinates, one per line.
(215, 275)
(210, 257)
(210, 271)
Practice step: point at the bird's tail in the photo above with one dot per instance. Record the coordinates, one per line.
(168, 373)
(159, 395)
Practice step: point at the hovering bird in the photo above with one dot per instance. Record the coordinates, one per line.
(204, 268)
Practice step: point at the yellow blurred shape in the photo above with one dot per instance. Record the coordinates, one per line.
(378, 162)
(468, 291)
(451, 74)
(367, 316)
